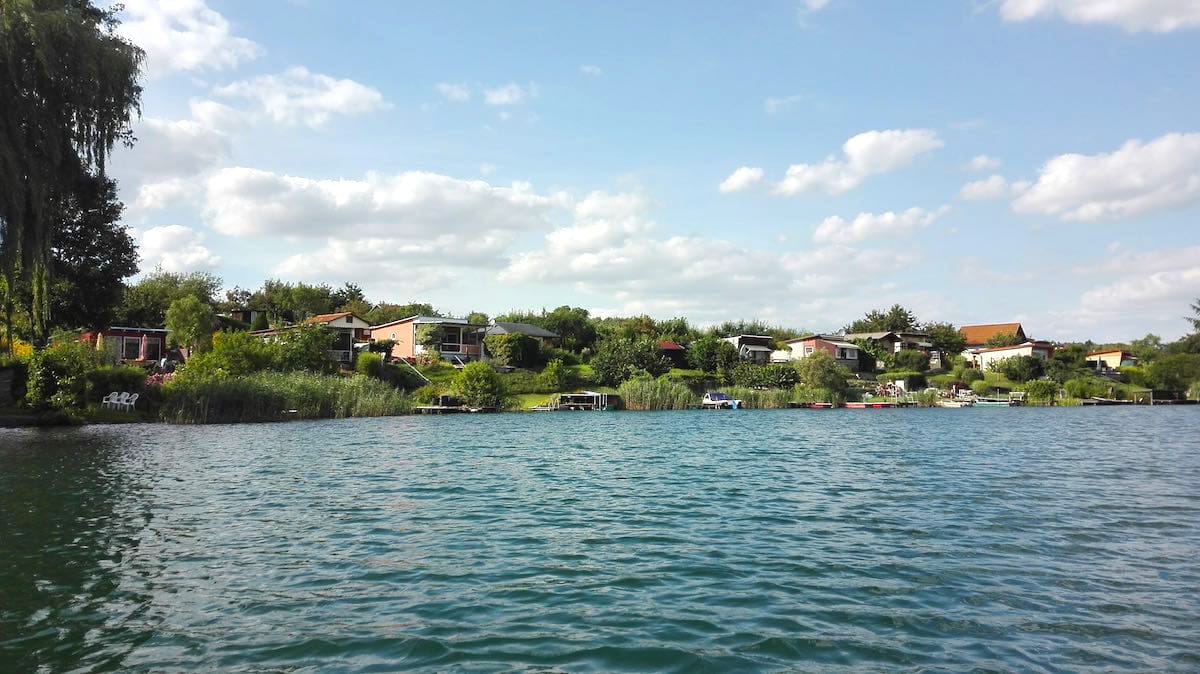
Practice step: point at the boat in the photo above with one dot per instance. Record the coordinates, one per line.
(870, 405)
(955, 403)
(1096, 400)
(993, 402)
(715, 400)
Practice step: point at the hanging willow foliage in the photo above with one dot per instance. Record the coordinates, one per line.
(69, 86)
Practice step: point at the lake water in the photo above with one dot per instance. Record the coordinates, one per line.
(1053, 540)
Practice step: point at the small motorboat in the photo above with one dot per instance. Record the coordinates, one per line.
(955, 403)
(868, 405)
(715, 400)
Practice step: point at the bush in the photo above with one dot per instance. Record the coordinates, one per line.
(276, 396)
(645, 394)
(1019, 368)
(927, 398)
(911, 359)
(821, 371)
(369, 364)
(1086, 387)
(108, 378)
(58, 376)
(695, 380)
(985, 388)
(712, 354)
(1041, 390)
(971, 375)
(810, 394)
(428, 394)
(551, 353)
(513, 350)
(912, 379)
(478, 385)
(765, 376)
(1176, 372)
(556, 377)
(617, 360)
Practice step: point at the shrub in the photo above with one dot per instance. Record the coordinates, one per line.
(645, 394)
(912, 379)
(1086, 387)
(556, 377)
(1041, 390)
(513, 350)
(428, 394)
(765, 376)
(1019, 368)
(305, 347)
(617, 360)
(986, 388)
(370, 365)
(927, 398)
(911, 359)
(58, 376)
(551, 353)
(275, 396)
(1176, 372)
(821, 371)
(382, 346)
(478, 385)
(712, 354)
(810, 394)
(190, 323)
(971, 375)
(108, 378)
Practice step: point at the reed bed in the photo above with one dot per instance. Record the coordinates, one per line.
(278, 396)
(760, 399)
(656, 394)
(810, 394)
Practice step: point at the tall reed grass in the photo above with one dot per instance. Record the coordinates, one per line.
(760, 399)
(811, 394)
(278, 396)
(656, 394)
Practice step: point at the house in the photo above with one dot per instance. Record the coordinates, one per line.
(674, 352)
(542, 335)
(983, 358)
(349, 331)
(977, 336)
(128, 344)
(460, 340)
(1112, 359)
(247, 316)
(753, 348)
(837, 347)
(895, 342)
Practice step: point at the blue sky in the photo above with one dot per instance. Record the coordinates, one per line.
(799, 162)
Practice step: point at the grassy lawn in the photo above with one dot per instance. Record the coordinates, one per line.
(527, 401)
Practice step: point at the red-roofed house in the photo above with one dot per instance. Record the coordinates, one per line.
(676, 353)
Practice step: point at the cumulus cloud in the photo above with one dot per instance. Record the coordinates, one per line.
(1158, 16)
(867, 154)
(455, 93)
(742, 178)
(992, 187)
(1135, 179)
(509, 94)
(298, 96)
(982, 162)
(175, 248)
(591, 70)
(864, 226)
(183, 35)
(248, 202)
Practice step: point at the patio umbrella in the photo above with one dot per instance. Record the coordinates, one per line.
(142, 348)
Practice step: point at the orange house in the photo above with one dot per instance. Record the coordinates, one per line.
(459, 340)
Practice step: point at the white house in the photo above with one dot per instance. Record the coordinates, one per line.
(983, 358)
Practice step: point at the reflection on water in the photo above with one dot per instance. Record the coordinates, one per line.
(943, 540)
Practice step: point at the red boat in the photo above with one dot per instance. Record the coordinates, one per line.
(869, 406)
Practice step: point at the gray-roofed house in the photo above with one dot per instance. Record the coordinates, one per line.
(753, 348)
(509, 328)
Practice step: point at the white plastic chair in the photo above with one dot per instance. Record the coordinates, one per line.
(129, 402)
(110, 399)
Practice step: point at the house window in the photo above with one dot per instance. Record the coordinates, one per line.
(452, 340)
(808, 350)
(153, 349)
(131, 348)
(349, 319)
(393, 336)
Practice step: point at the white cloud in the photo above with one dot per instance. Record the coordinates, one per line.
(1136, 179)
(775, 104)
(1158, 16)
(591, 70)
(175, 248)
(509, 94)
(298, 96)
(455, 93)
(874, 225)
(992, 187)
(249, 202)
(742, 178)
(867, 154)
(1134, 263)
(183, 35)
(981, 163)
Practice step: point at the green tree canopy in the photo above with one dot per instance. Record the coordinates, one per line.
(145, 303)
(190, 323)
(711, 354)
(619, 359)
(820, 370)
(478, 385)
(895, 319)
(69, 86)
(945, 337)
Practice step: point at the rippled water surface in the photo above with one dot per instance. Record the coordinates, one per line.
(934, 540)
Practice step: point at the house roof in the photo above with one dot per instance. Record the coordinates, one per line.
(869, 335)
(670, 346)
(423, 320)
(806, 338)
(1108, 351)
(1024, 345)
(329, 318)
(756, 347)
(507, 328)
(980, 334)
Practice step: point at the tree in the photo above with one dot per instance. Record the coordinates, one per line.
(619, 359)
(1002, 339)
(478, 318)
(190, 323)
(69, 86)
(357, 307)
(305, 347)
(556, 376)
(145, 303)
(911, 359)
(710, 354)
(386, 313)
(1147, 348)
(1195, 310)
(820, 370)
(348, 293)
(945, 337)
(1175, 372)
(478, 385)
(895, 319)
(1019, 368)
(429, 337)
(573, 325)
(513, 350)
